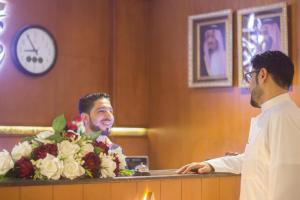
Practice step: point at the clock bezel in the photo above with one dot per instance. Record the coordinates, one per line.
(15, 55)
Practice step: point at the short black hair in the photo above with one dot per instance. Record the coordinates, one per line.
(86, 102)
(279, 65)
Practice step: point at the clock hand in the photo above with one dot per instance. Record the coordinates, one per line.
(31, 43)
(31, 50)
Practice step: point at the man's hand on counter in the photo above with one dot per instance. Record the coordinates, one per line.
(196, 167)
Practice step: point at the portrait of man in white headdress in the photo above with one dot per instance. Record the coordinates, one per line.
(260, 34)
(213, 52)
(270, 34)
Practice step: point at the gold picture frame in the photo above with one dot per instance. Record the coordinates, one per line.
(260, 29)
(210, 49)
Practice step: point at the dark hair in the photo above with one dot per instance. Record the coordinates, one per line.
(86, 102)
(279, 65)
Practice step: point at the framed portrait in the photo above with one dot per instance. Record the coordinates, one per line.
(260, 29)
(210, 49)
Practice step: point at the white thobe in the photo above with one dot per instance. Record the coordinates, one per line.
(270, 165)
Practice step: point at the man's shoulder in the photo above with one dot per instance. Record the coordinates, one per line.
(287, 111)
(287, 107)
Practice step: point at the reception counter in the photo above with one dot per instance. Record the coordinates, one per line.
(162, 184)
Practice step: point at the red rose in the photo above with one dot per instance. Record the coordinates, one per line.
(117, 170)
(52, 149)
(70, 134)
(103, 146)
(92, 163)
(71, 126)
(41, 151)
(77, 118)
(24, 168)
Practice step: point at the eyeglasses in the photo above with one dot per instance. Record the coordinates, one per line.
(248, 75)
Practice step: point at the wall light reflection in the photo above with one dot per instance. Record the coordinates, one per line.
(149, 196)
(3, 15)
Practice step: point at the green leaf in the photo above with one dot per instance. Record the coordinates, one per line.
(59, 123)
(35, 144)
(95, 135)
(57, 138)
(97, 150)
(84, 138)
(37, 175)
(29, 138)
(88, 173)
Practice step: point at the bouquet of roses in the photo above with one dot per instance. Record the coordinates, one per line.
(65, 152)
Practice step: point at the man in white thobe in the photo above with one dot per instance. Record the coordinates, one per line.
(270, 165)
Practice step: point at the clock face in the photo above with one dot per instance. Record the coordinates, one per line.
(34, 50)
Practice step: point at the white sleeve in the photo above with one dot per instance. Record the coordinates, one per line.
(232, 164)
(284, 173)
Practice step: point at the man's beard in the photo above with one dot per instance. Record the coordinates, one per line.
(95, 128)
(212, 50)
(255, 95)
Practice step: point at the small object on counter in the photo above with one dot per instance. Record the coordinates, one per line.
(126, 172)
(141, 170)
(231, 153)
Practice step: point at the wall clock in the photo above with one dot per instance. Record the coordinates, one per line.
(34, 50)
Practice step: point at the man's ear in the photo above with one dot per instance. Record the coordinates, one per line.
(263, 75)
(85, 118)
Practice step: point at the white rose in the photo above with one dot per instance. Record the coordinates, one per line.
(67, 149)
(122, 158)
(44, 134)
(50, 166)
(86, 148)
(81, 127)
(107, 166)
(72, 169)
(104, 139)
(21, 149)
(42, 137)
(6, 162)
(117, 150)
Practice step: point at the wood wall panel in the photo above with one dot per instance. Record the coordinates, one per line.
(132, 145)
(200, 123)
(102, 46)
(123, 191)
(10, 193)
(170, 189)
(191, 189)
(130, 62)
(36, 193)
(229, 188)
(165, 188)
(74, 192)
(210, 189)
(96, 191)
(82, 31)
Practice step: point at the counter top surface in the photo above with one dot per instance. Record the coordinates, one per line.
(155, 174)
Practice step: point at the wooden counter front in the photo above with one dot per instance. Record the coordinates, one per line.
(164, 185)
